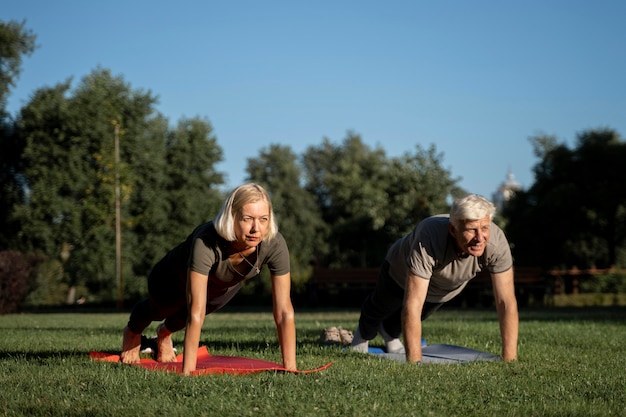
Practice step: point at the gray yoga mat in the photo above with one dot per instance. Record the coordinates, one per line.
(441, 354)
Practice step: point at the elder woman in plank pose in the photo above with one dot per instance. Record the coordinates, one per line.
(204, 272)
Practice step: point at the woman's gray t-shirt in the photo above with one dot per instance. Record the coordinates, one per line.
(204, 251)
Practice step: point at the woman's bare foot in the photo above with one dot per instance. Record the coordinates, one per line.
(165, 346)
(130, 346)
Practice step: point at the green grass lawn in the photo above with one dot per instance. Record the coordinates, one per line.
(572, 363)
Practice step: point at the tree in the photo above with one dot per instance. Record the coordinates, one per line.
(167, 179)
(42, 133)
(177, 191)
(419, 187)
(15, 43)
(69, 171)
(192, 190)
(368, 201)
(297, 215)
(597, 158)
(348, 182)
(577, 203)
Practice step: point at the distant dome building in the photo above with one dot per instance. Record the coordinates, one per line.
(506, 191)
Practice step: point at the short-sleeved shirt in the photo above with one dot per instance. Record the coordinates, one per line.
(204, 251)
(430, 252)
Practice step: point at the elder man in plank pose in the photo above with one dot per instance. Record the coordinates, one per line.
(430, 266)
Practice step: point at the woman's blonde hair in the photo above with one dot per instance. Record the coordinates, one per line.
(471, 207)
(224, 222)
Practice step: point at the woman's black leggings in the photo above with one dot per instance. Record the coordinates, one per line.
(169, 302)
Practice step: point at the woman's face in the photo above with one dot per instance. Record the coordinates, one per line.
(251, 224)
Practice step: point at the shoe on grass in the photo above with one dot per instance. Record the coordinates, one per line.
(358, 343)
(392, 344)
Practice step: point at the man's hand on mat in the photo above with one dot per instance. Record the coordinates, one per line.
(130, 347)
(165, 346)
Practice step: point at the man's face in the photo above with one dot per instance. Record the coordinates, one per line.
(472, 236)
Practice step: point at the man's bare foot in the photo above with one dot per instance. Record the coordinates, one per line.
(130, 346)
(165, 346)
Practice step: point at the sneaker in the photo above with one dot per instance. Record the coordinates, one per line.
(392, 344)
(358, 343)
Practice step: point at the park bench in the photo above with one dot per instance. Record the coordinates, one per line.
(350, 285)
(344, 286)
(531, 286)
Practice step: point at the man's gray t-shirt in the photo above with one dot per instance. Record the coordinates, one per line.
(430, 252)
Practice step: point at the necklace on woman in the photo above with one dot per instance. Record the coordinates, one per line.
(256, 268)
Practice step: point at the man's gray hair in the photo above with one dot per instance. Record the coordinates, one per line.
(471, 207)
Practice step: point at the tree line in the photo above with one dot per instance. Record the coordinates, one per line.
(338, 204)
(574, 214)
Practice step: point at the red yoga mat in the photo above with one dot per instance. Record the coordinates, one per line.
(209, 364)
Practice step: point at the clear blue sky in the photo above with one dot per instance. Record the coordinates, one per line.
(474, 78)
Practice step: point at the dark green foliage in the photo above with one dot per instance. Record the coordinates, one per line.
(192, 153)
(368, 200)
(611, 283)
(15, 43)
(297, 215)
(348, 182)
(167, 180)
(70, 171)
(51, 287)
(575, 212)
(418, 186)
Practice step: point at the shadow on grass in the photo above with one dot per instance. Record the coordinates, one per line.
(546, 314)
(43, 355)
(595, 314)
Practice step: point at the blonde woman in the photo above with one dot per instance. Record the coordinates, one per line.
(203, 273)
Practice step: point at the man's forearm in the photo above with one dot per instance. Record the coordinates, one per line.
(509, 328)
(412, 336)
